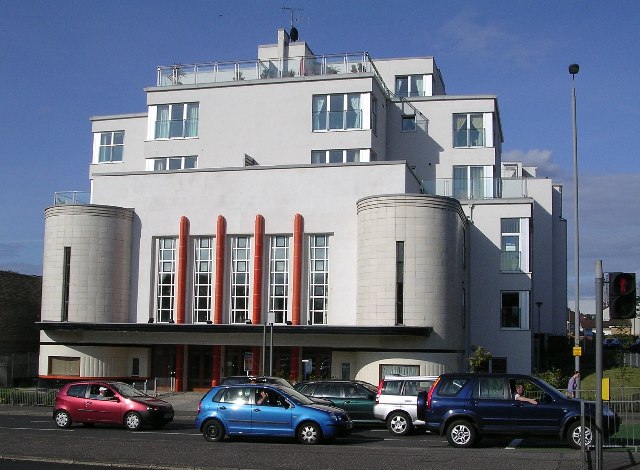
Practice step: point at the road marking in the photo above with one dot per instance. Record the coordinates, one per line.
(513, 444)
(33, 429)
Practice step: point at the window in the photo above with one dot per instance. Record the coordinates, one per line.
(515, 245)
(240, 252)
(111, 146)
(59, 365)
(335, 156)
(135, 367)
(409, 123)
(318, 278)
(172, 163)
(176, 121)
(468, 130)
(515, 310)
(469, 182)
(410, 85)
(374, 115)
(399, 283)
(279, 278)
(345, 371)
(450, 386)
(202, 279)
(337, 112)
(166, 279)
(393, 369)
(491, 388)
(66, 276)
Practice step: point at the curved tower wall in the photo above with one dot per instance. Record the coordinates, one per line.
(98, 239)
(433, 231)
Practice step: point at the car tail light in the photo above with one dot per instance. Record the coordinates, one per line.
(199, 406)
(379, 392)
(430, 393)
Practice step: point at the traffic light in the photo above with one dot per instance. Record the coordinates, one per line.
(622, 295)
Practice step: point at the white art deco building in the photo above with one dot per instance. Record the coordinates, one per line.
(341, 208)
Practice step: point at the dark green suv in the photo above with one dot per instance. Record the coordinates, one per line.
(464, 407)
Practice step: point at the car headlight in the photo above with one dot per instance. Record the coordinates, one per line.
(334, 417)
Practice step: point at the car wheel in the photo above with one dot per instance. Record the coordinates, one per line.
(399, 423)
(309, 433)
(132, 421)
(574, 435)
(62, 419)
(461, 434)
(213, 431)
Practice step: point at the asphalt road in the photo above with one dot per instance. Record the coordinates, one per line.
(30, 439)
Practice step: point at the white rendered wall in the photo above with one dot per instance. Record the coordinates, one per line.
(324, 195)
(99, 274)
(98, 361)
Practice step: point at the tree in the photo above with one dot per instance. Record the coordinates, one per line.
(479, 360)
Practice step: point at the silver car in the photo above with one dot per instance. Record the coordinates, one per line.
(397, 400)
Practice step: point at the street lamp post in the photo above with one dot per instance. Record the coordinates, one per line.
(573, 70)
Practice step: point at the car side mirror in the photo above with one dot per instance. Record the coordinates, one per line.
(286, 405)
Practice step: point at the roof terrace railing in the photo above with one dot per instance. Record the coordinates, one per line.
(71, 197)
(300, 66)
(477, 188)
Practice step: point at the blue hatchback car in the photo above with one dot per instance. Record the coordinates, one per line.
(268, 410)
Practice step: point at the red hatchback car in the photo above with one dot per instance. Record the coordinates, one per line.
(109, 403)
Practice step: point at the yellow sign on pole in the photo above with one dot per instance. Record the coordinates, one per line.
(577, 351)
(606, 389)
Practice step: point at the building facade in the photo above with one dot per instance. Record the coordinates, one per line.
(301, 215)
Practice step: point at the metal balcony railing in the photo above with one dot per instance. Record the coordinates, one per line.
(300, 66)
(476, 188)
(71, 197)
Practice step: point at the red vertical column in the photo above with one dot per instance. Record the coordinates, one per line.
(298, 236)
(221, 234)
(179, 367)
(258, 256)
(216, 358)
(183, 244)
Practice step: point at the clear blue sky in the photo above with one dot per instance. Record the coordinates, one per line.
(63, 61)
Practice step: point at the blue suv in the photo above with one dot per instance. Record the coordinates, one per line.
(268, 410)
(464, 407)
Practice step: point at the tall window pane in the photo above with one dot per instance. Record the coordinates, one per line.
(240, 252)
(165, 279)
(202, 278)
(399, 283)
(336, 112)
(319, 112)
(176, 129)
(318, 279)
(162, 122)
(353, 111)
(279, 278)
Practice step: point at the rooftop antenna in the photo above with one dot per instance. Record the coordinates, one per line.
(293, 33)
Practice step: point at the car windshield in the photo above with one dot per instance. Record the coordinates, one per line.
(550, 390)
(127, 391)
(368, 386)
(297, 396)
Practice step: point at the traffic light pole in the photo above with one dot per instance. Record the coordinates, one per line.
(599, 309)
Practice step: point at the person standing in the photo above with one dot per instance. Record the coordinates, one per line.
(572, 387)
